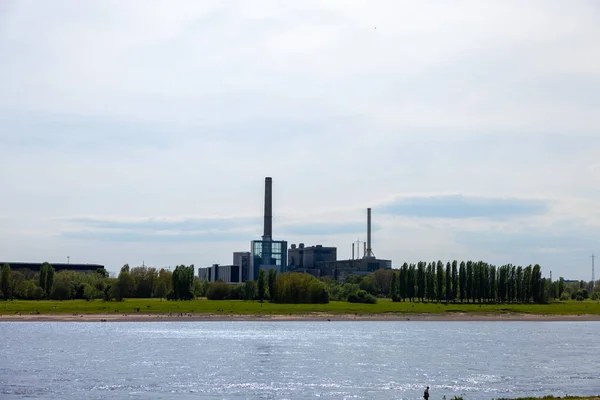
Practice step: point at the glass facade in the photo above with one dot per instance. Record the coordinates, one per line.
(267, 253)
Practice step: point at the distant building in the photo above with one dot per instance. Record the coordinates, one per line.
(225, 273)
(303, 258)
(268, 254)
(36, 267)
(242, 260)
(341, 269)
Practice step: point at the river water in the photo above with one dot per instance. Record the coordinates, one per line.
(297, 360)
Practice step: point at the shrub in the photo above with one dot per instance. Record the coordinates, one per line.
(219, 291)
(89, 292)
(595, 296)
(361, 296)
(297, 288)
(565, 296)
(583, 293)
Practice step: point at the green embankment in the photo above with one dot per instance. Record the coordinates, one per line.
(254, 307)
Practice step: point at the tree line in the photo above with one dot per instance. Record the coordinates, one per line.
(468, 282)
(474, 282)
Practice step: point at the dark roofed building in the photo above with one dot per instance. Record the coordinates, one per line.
(57, 267)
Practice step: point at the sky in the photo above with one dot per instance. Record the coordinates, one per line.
(141, 132)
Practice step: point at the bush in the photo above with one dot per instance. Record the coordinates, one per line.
(581, 293)
(89, 292)
(361, 296)
(595, 296)
(297, 288)
(219, 291)
(565, 296)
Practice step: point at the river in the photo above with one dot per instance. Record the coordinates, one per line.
(297, 360)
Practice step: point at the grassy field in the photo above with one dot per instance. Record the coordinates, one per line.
(254, 307)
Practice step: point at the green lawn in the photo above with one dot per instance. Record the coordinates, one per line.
(254, 307)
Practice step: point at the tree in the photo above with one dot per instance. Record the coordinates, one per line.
(537, 288)
(421, 280)
(250, 290)
(165, 282)
(219, 291)
(145, 281)
(463, 281)
(102, 272)
(411, 281)
(561, 286)
(369, 284)
(295, 288)
(262, 283)
(440, 281)
(403, 282)
(454, 280)
(394, 287)
(430, 278)
(527, 284)
(183, 282)
(47, 278)
(448, 282)
(5, 281)
(124, 286)
(63, 288)
(272, 282)
(470, 281)
(383, 280)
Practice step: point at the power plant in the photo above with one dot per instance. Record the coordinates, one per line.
(267, 254)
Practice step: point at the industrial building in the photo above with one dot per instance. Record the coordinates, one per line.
(225, 273)
(322, 261)
(308, 259)
(242, 260)
(267, 254)
(36, 267)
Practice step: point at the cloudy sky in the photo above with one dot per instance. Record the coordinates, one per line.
(138, 132)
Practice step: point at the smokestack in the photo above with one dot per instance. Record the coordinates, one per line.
(268, 226)
(369, 250)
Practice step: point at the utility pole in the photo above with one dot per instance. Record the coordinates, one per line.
(593, 272)
(68, 259)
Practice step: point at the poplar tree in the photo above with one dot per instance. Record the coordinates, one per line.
(463, 282)
(421, 280)
(454, 280)
(394, 287)
(430, 277)
(262, 284)
(403, 289)
(47, 278)
(411, 280)
(470, 280)
(448, 282)
(440, 280)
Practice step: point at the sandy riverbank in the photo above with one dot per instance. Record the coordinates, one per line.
(141, 317)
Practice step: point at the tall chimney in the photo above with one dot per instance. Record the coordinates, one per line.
(369, 250)
(268, 226)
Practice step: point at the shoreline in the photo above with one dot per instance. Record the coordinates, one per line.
(313, 317)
